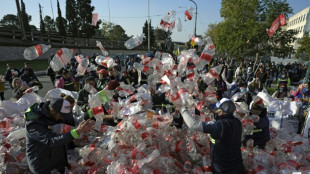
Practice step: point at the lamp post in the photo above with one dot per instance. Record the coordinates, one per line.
(195, 16)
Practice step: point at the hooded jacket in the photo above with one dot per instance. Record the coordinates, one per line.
(45, 150)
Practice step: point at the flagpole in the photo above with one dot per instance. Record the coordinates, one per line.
(148, 29)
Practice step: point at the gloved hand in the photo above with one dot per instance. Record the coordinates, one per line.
(60, 128)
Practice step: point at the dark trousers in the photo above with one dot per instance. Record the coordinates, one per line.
(2, 96)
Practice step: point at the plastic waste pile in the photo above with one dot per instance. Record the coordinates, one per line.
(144, 141)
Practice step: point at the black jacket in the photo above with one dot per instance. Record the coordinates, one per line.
(45, 150)
(261, 133)
(225, 144)
(82, 99)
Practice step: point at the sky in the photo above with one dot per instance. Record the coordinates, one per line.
(132, 14)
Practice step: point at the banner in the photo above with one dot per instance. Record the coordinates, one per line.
(275, 25)
(95, 19)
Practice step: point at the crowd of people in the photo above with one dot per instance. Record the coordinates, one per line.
(247, 78)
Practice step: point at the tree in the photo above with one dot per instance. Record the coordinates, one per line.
(42, 26)
(72, 17)
(10, 21)
(49, 24)
(25, 17)
(304, 49)
(211, 30)
(60, 22)
(64, 21)
(243, 31)
(113, 32)
(152, 34)
(163, 38)
(85, 17)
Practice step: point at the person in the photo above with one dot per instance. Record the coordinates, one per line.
(261, 133)
(225, 136)
(282, 92)
(30, 79)
(220, 87)
(230, 72)
(51, 73)
(46, 150)
(19, 88)
(66, 81)
(125, 78)
(130, 63)
(68, 118)
(134, 76)
(2, 88)
(30, 70)
(283, 78)
(11, 73)
(82, 98)
(261, 75)
(102, 80)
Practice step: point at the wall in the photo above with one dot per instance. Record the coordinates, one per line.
(10, 53)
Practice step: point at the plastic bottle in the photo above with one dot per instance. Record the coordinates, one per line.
(140, 67)
(17, 155)
(134, 41)
(189, 13)
(197, 40)
(207, 53)
(61, 58)
(82, 67)
(32, 89)
(103, 51)
(35, 51)
(134, 152)
(179, 25)
(212, 74)
(89, 88)
(185, 98)
(61, 128)
(18, 134)
(105, 61)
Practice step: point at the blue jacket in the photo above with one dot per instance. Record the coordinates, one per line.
(45, 150)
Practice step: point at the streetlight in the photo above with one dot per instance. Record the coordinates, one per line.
(195, 16)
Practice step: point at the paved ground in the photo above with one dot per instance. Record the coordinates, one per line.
(44, 79)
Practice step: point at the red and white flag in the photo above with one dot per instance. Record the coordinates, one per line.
(275, 25)
(95, 19)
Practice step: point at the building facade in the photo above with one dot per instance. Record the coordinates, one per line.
(299, 22)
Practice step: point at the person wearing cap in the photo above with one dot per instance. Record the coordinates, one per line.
(261, 133)
(82, 98)
(225, 137)
(283, 78)
(102, 80)
(46, 150)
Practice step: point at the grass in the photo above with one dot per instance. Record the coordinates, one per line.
(36, 65)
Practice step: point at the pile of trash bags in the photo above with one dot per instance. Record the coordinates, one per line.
(145, 141)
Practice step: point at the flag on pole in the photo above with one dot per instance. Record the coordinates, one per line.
(95, 19)
(275, 25)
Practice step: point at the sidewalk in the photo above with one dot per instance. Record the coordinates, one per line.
(40, 73)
